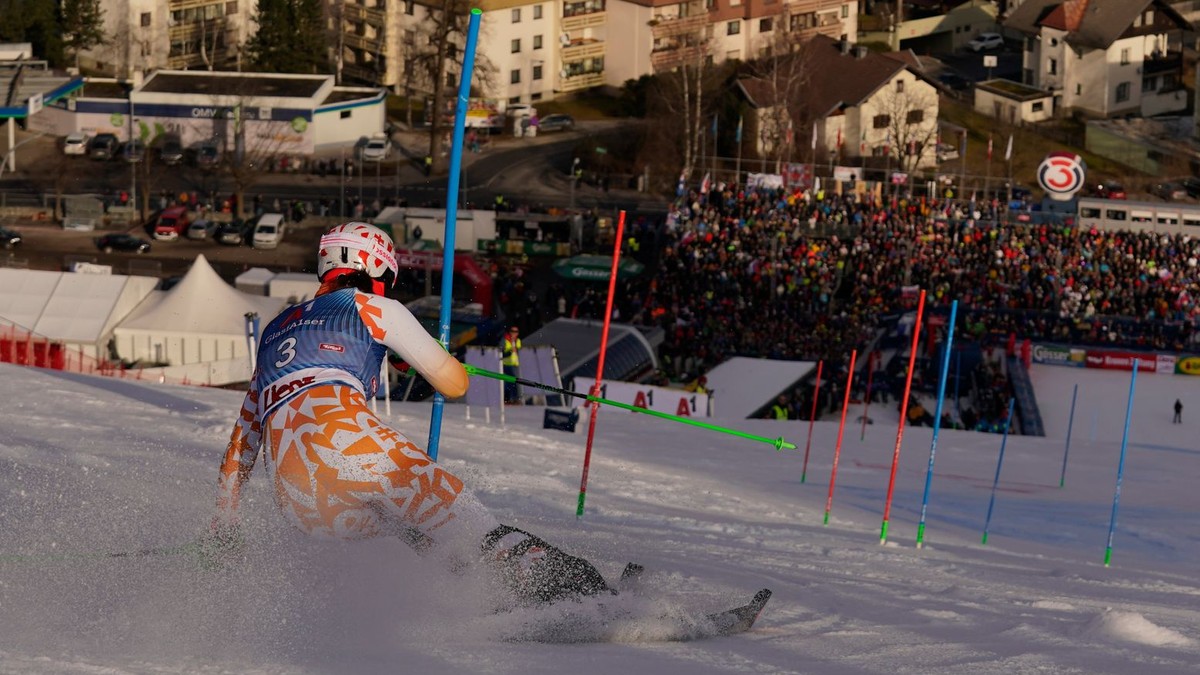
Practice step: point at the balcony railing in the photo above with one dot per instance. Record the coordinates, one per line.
(1170, 62)
(577, 51)
(668, 59)
(582, 21)
(582, 81)
(661, 28)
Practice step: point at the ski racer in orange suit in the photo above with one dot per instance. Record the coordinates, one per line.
(340, 471)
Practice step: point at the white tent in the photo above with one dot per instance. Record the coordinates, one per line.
(75, 309)
(200, 320)
(742, 385)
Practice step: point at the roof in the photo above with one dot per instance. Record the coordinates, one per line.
(743, 385)
(233, 84)
(201, 304)
(67, 306)
(838, 80)
(1089, 23)
(631, 354)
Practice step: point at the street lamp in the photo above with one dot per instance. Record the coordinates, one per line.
(574, 177)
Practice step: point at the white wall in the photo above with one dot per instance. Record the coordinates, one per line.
(631, 59)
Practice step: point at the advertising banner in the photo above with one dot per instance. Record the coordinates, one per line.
(661, 399)
(1056, 355)
(1147, 363)
(1165, 364)
(1189, 365)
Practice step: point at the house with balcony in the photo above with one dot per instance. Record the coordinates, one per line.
(1104, 58)
(661, 35)
(145, 35)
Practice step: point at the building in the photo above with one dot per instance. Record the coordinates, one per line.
(277, 114)
(1013, 102)
(530, 51)
(1104, 57)
(143, 35)
(859, 103)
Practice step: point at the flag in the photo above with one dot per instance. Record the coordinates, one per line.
(862, 145)
(682, 186)
(1008, 150)
(704, 185)
(962, 150)
(839, 138)
(790, 136)
(814, 138)
(989, 155)
(714, 126)
(738, 136)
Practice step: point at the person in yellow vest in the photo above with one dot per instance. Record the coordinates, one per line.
(779, 411)
(512, 364)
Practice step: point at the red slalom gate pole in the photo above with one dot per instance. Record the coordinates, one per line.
(612, 287)
(841, 428)
(867, 397)
(912, 362)
(812, 418)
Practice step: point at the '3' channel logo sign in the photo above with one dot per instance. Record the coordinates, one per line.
(1061, 175)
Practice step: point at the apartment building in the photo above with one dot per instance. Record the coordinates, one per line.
(536, 50)
(176, 34)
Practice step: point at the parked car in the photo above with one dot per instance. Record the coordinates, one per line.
(1109, 189)
(377, 148)
(1191, 185)
(201, 229)
(1170, 191)
(122, 242)
(953, 81)
(133, 151)
(170, 150)
(9, 238)
(208, 156)
(986, 42)
(946, 152)
(103, 146)
(268, 232)
(171, 224)
(556, 122)
(75, 144)
(232, 234)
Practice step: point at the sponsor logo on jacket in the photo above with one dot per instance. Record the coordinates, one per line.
(281, 389)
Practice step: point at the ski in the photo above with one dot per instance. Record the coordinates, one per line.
(741, 619)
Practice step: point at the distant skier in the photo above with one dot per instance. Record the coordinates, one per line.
(337, 469)
(1178, 412)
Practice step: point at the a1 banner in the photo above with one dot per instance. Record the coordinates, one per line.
(659, 399)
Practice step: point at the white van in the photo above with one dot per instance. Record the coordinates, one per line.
(268, 232)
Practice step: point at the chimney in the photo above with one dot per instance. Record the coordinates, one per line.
(845, 46)
(860, 52)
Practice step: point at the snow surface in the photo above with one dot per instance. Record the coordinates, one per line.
(89, 465)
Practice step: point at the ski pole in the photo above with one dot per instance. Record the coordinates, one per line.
(778, 443)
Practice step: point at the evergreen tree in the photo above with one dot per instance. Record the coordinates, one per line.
(291, 37)
(82, 26)
(35, 22)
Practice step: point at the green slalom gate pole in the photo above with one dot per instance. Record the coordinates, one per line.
(777, 443)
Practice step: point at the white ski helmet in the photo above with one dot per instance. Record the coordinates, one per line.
(358, 246)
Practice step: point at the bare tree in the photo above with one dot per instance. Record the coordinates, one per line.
(784, 69)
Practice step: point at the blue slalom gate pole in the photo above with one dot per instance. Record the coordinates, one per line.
(456, 147)
(937, 420)
(999, 463)
(1112, 523)
(1070, 423)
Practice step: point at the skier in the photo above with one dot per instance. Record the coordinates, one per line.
(337, 469)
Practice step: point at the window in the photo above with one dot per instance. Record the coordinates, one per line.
(881, 121)
(1029, 44)
(516, 15)
(915, 116)
(1112, 214)
(1079, 90)
(409, 6)
(537, 41)
(1037, 106)
(735, 3)
(145, 19)
(516, 45)
(1122, 92)
(1125, 57)
(733, 28)
(1150, 83)
(710, 5)
(899, 86)
(514, 77)
(535, 97)
(231, 8)
(1089, 212)
(765, 25)
(1052, 66)
(537, 11)
(514, 99)
(345, 114)
(845, 11)
(537, 72)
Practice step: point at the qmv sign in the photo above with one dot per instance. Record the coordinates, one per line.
(1061, 175)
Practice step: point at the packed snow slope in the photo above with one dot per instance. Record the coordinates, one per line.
(91, 465)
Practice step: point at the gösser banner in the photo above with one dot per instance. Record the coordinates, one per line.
(1163, 364)
(660, 399)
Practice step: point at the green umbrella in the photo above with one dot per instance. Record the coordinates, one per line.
(595, 268)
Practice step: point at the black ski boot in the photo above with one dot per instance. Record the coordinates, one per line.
(536, 572)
